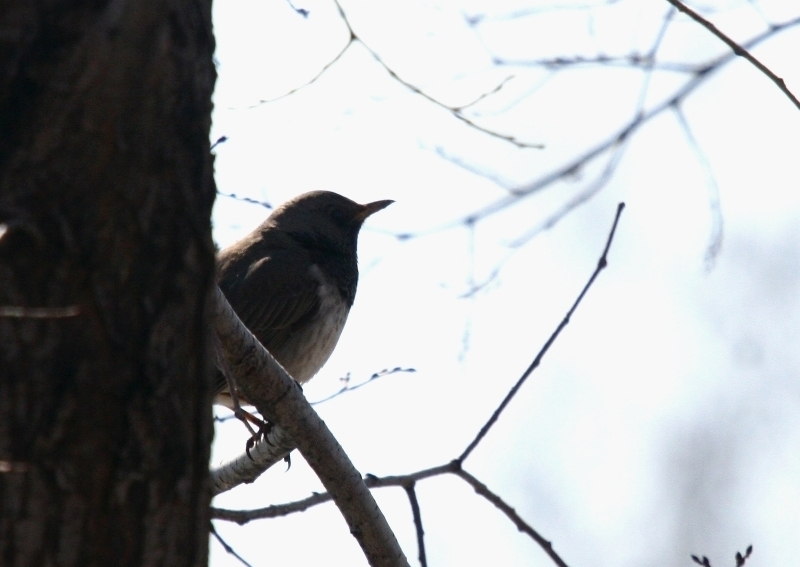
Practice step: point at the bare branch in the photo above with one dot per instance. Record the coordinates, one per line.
(220, 140)
(455, 111)
(227, 547)
(244, 516)
(278, 398)
(412, 499)
(313, 79)
(483, 96)
(601, 264)
(511, 514)
(245, 199)
(537, 185)
(405, 481)
(348, 388)
(737, 49)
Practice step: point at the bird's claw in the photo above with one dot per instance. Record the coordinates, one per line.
(262, 433)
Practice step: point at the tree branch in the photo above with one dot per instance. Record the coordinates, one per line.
(243, 469)
(601, 264)
(511, 514)
(412, 499)
(737, 49)
(278, 398)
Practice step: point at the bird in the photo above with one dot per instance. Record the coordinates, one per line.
(292, 280)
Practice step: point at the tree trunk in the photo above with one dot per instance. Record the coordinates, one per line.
(106, 190)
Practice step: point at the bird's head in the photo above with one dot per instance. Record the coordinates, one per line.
(325, 219)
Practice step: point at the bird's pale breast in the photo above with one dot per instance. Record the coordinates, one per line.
(307, 351)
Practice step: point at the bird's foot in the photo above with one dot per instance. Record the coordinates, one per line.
(263, 430)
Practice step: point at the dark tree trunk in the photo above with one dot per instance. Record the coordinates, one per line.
(105, 195)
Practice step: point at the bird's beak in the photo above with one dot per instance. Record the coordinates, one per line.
(370, 208)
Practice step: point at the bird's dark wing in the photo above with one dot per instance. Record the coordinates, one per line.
(273, 295)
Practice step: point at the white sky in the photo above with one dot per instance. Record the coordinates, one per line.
(665, 420)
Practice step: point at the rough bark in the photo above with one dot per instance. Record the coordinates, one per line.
(105, 194)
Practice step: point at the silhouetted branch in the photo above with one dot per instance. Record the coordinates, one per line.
(348, 388)
(455, 111)
(737, 49)
(483, 96)
(227, 547)
(314, 78)
(412, 499)
(403, 481)
(511, 514)
(244, 516)
(601, 264)
(220, 140)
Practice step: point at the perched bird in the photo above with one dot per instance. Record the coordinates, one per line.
(293, 280)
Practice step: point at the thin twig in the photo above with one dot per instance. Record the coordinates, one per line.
(250, 200)
(313, 79)
(242, 517)
(412, 499)
(227, 547)
(220, 140)
(416, 90)
(601, 264)
(348, 388)
(737, 49)
(634, 60)
(483, 95)
(715, 239)
(511, 514)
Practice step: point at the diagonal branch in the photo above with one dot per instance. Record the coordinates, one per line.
(601, 264)
(227, 547)
(278, 398)
(511, 514)
(737, 49)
